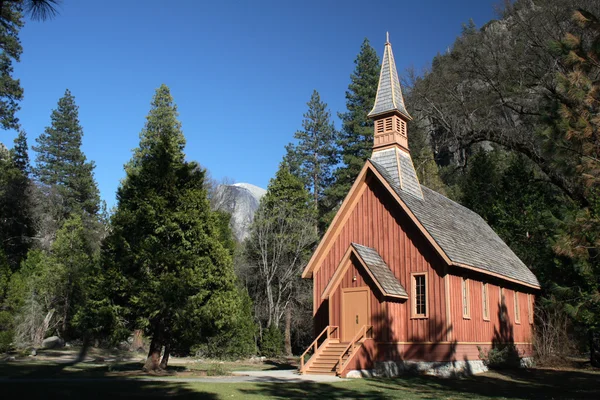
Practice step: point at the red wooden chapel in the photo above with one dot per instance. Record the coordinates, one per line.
(407, 278)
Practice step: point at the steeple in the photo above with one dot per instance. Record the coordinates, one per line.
(390, 147)
(389, 111)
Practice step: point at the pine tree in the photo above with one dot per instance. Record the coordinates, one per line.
(61, 166)
(11, 92)
(356, 137)
(16, 208)
(20, 153)
(166, 265)
(575, 136)
(11, 22)
(314, 156)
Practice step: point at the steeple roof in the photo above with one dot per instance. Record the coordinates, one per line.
(389, 93)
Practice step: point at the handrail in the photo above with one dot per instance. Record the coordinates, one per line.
(355, 339)
(314, 344)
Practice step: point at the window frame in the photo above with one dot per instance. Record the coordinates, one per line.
(413, 283)
(465, 294)
(485, 301)
(517, 307)
(530, 308)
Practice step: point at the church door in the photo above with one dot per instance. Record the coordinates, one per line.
(355, 311)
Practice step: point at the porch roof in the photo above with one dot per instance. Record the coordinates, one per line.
(374, 266)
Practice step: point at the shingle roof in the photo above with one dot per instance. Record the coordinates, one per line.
(389, 93)
(380, 271)
(462, 234)
(401, 170)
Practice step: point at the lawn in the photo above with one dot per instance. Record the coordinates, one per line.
(95, 380)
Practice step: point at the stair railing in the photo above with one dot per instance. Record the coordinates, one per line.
(314, 346)
(366, 332)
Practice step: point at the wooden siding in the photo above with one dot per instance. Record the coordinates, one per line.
(476, 328)
(376, 221)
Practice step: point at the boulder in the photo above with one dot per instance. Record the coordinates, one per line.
(124, 346)
(53, 342)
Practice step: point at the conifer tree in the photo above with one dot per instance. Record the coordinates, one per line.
(17, 227)
(11, 92)
(61, 165)
(575, 134)
(11, 22)
(314, 155)
(166, 265)
(356, 137)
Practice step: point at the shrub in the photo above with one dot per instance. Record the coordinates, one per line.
(552, 341)
(235, 340)
(500, 356)
(271, 344)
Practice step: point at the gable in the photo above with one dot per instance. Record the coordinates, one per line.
(443, 239)
(374, 266)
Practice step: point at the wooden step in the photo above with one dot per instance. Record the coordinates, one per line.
(320, 369)
(323, 364)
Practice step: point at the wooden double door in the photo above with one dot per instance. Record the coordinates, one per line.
(355, 311)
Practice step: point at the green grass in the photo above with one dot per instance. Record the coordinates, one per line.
(32, 378)
(74, 383)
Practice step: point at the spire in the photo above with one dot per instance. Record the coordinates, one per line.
(389, 93)
(390, 147)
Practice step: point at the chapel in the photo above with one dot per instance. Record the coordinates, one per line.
(405, 278)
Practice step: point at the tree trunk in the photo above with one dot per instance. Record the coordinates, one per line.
(288, 332)
(84, 349)
(594, 349)
(152, 362)
(165, 358)
(270, 304)
(65, 316)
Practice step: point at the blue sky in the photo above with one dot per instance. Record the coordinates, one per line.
(241, 72)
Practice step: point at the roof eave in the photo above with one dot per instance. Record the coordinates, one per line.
(373, 115)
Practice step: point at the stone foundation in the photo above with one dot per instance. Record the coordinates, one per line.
(447, 369)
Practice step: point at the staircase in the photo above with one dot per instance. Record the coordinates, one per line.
(326, 360)
(329, 355)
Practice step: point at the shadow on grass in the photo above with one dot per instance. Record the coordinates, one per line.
(311, 390)
(517, 384)
(20, 370)
(280, 365)
(102, 390)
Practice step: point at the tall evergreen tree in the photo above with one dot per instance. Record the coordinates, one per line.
(61, 165)
(11, 92)
(20, 153)
(166, 264)
(356, 137)
(16, 208)
(314, 155)
(11, 22)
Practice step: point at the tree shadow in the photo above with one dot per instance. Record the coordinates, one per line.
(311, 390)
(503, 353)
(30, 370)
(101, 389)
(280, 365)
(523, 384)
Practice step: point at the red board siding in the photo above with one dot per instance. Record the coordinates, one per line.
(375, 224)
(376, 221)
(476, 329)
